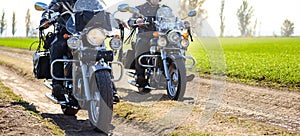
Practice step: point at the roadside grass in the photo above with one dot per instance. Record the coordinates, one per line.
(138, 113)
(23, 43)
(271, 62)
(9, 98)
(219, 125)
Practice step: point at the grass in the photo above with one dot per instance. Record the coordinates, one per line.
(7, 96)
(269, 62)
(138, 113)
(23, 43)
(220, 124)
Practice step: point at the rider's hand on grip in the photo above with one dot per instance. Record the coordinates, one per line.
(44, 24)
(140, 22)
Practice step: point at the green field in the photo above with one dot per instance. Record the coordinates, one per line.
(270, 62)
(261, 61)
(18, 42)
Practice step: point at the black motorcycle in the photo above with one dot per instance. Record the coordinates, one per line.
(88, 81)
(165, 64)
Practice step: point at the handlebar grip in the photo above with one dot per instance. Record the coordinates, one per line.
(44, 25)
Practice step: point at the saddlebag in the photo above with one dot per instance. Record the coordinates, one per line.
(128, 59)
(41, 65)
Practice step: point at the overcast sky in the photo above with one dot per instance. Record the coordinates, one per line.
(269, 13)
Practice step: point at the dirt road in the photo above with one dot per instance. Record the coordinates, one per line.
(263, 105)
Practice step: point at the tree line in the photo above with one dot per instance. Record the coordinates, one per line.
(245, 14)
(29, 31)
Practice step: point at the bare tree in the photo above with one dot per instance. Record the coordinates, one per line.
(14, 22)
(287, 28)
(2, 23)
(27, 22)
(244, 14)
(222, 18)
(254, 28)
(187, 5)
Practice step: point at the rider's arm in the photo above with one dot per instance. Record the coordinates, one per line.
(54, 6)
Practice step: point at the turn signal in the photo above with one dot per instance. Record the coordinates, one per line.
(185, 35)
(66, 36)
(117, 36)
(155, 34)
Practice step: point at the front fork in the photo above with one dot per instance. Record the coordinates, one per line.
(164, 59)
(85, 78)
(166, 69)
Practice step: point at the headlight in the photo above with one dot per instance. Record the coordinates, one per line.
(115, 43)
(74, 42)
(162, 41)
(185, 43)
(95, 36)
(174, 37)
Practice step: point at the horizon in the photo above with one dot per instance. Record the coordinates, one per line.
(269, 18)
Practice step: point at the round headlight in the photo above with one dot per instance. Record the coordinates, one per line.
(162, 41)
(74, 42)
(115, 43)
(174, 37)
(185, 43)
(95, 36)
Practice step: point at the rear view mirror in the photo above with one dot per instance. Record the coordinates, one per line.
(40, 6)
(192, 13)
(123, 7)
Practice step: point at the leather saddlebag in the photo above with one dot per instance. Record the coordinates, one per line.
(41, 65)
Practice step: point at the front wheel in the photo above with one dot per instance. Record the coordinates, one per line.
(101, 105)
(177, 84)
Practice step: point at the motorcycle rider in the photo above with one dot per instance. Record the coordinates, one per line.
(145, 33)
(59, 46)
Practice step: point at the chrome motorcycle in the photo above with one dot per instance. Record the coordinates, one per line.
(165, 65)
(91, 84)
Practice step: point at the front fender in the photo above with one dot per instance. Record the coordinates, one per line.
(95, 68)
(176, 56)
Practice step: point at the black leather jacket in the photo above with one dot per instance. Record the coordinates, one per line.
(149, 12)
(62, 6)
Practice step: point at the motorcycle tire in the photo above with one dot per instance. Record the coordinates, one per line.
(177, 73)
(101, 105)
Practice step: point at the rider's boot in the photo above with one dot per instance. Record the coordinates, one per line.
(116, 98)
(57, 92)
(143, 85)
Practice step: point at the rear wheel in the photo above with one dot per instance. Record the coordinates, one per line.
(101, 104)
(177, 85)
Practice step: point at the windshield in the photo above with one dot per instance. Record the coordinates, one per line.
(87, 5)
(167, 20)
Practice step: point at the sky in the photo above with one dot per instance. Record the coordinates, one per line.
(270, 15)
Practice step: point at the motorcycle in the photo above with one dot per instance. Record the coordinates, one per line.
(165, 65)
(88, 79)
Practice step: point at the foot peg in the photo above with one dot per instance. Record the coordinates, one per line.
(132, 82)
(53, 99)
(149, 87)
(131, 74)
(190, 77)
